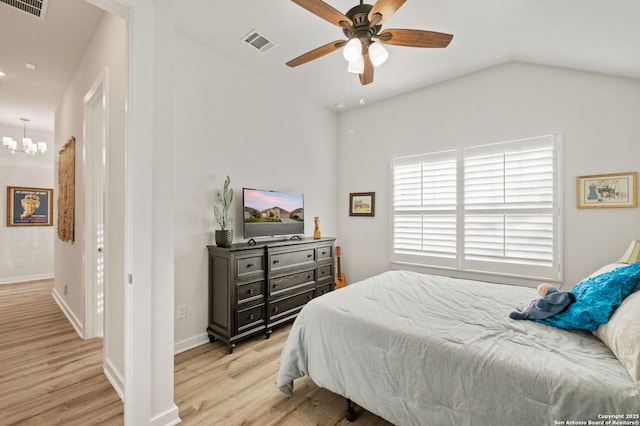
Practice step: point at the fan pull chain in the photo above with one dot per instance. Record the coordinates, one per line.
(351, 131)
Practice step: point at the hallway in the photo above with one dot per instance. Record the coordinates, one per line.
(49, 375)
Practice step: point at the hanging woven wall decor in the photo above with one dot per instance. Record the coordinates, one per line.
(67, 190)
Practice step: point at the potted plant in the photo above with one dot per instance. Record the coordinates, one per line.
(224, 236)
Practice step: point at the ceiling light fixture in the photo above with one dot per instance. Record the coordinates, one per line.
(353, 53)
(357, 66)
(28, 146)
(378, 54)
(352, 50)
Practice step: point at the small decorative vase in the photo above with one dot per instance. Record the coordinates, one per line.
(224, 237)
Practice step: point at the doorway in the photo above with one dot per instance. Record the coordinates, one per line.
(95, 136)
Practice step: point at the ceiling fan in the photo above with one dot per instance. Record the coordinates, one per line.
(362, 24)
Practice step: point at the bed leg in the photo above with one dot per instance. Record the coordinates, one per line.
(351, 412)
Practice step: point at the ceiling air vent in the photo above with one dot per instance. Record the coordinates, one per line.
(37, 8)
(258, 41)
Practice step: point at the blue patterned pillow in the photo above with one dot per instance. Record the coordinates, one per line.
(596, 299)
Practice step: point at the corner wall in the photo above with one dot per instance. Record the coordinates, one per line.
(596, 114)
(230, 120)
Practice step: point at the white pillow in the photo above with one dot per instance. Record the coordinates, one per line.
(607, 268)
(622, 335)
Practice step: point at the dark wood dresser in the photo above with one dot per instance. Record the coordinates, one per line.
(253, 288)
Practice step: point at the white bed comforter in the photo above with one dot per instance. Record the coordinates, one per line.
(419, 349)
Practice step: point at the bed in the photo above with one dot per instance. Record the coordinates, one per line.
(420, 349)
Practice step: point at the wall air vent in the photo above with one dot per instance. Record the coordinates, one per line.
(258, 41)
(37, 8)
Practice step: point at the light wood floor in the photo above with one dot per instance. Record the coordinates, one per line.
(49, 376)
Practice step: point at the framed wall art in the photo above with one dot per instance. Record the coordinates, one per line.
(610, 190)
(29, 206)
(362, 204)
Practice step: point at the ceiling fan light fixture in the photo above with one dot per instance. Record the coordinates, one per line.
(352, 50)
(378, 54)
(357, 66)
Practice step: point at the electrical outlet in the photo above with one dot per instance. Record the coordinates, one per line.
(181, 312)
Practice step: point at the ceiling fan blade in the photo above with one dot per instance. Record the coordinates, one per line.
(367, 76)
(324, 11)
(317, 53)
(385, 8)
(414, 38)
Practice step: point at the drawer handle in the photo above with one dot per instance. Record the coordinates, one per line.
(323, 272)
(309, 297)
(275, 261)
(250, 291)
(251, 316)
(250, 265)
(309, 256)
(324, 252)
(275, 309)
(308, 277)
(275, 286)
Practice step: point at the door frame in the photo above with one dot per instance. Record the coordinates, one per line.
(148, 265)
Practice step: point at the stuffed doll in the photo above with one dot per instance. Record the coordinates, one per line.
(551, 302)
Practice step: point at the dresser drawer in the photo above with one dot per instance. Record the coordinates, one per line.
(289, 305)
(250, 291)
(323, 289)
(324, 253)
(250, 317)
(325, 272)
(285, 282)
(249, 265)
(291, 259)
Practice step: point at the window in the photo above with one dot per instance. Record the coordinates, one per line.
(491, 208)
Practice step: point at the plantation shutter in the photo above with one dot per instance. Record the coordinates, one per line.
(511, 208)
(425, 201)
(498, 212)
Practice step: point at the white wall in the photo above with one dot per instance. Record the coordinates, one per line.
(107, 51)
(31, 247)
(229, 120)
(597, 116)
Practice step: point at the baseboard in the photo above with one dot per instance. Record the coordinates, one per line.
(190, 343)
(77, 325)
(115, 378)
(26, 278)
(168, 418)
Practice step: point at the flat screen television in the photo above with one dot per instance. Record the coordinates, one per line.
(272, 213)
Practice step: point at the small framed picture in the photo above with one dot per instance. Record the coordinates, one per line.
(610, 190)
(29, 206)
(362, 204)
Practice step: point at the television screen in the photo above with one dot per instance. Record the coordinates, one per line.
(271, 213)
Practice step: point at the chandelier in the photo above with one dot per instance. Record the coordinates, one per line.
(28, 145)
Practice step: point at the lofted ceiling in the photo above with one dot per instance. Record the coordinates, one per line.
(600, 36)
(594, 35)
